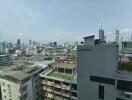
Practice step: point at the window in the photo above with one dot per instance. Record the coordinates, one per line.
(4, 90)
(119, 99)
(8, 85)
(5, 97)
(25, 96)
(102, 80)
(36, 87)
(3, 83)
(24, 88)
(101, 92)
(124, 85)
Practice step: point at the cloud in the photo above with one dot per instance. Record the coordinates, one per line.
(125, 30)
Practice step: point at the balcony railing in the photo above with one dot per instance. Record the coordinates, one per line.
(65, 87)
(66, 95)
(57, 92)
(57, 85)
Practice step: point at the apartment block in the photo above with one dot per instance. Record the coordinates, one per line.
(20, 83)
(59, 82)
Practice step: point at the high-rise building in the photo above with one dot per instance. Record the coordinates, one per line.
(101, 34)
(10, 45)
(18, 42)
(101, 76)
(1, 48)
(117, 37)
(30, 42)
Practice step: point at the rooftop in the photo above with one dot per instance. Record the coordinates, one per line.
(126, 66)
(64, 65)
(19, 71)
(61, 75)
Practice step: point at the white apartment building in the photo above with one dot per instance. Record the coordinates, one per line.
(20, 83)
(99, 77)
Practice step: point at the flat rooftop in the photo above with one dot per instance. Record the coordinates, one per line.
(64, 76)
(19, 70)
(64, 65)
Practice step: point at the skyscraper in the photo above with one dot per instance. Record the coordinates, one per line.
(18, 42)
(117, 36)
(101, 34)
(1, 47)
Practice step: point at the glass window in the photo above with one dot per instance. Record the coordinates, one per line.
(101, 92)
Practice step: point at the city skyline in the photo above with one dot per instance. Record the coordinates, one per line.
(59, 20)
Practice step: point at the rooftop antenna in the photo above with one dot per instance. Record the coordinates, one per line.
(101, 25)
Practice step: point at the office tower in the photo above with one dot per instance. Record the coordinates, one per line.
(117, 37)
(18, 42)
(54, 44)
(4, 47)
(10, 45)
(1, 48)
(30, 42)
(100, 75)
(101, 34)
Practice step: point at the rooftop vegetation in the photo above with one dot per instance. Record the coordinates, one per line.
(64, 76)
(126, 66)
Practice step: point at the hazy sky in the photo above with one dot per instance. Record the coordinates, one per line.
(62, 20)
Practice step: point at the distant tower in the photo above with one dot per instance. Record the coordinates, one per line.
(101, 34)
(18, 42)
(30, 42)
(117, 36)
(131, 37)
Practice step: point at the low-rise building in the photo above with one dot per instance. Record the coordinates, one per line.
(4, 58)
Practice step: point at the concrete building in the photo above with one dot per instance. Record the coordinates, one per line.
(1, 48)
(117, 36)
(20, 83)
(101, 35)
(59, 82)
(100, 77)
(4, 58)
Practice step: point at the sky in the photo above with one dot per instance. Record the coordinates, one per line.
(63, 20)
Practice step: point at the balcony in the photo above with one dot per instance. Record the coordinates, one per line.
(57, 85)
(58, 98)
(65, 87)
(57, 92)
(73, 97)
(44, 82)
(66, 95)
(50, 83)
(49, 95)
(43, 88)
(50, 90)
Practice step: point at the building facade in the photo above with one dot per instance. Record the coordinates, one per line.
(57, 84)
(99, 77)
(20, 83)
